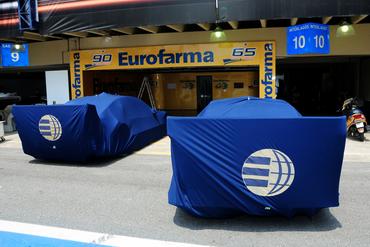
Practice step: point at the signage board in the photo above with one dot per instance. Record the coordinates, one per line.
(230, 54)
(14, 55)
(308, 38)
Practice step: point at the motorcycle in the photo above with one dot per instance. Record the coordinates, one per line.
(356, 121)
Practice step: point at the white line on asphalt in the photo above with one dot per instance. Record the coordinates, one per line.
(83, 236)
(154, 153)
(355, 161)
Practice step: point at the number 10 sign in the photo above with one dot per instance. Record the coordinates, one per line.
(308, 38)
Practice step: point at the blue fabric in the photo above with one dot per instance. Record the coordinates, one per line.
(95, 126)
(215, 168)
(249, 107)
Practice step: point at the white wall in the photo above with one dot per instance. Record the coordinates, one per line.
(57, 86)
(47, 53)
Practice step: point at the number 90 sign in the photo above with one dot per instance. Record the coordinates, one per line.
(308, 38)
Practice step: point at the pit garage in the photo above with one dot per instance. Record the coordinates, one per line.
(22, 88)
(318, 86)
(183, 79)
(31, 86)
(178, 92)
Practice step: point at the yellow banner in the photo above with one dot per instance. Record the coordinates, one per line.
(261, 54)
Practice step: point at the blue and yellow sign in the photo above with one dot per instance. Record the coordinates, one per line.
(231, 54)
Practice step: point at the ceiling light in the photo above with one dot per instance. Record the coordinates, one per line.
(17, 47)
(218, 34)
(345, 29)
(108, 39)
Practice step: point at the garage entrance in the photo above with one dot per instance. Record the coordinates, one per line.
(178, 92)
(318, 86)
(184, 77)
(22, 88)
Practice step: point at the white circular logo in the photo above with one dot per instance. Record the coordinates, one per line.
(50, 128)
(268, 172)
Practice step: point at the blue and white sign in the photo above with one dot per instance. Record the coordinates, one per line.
(308, 38)
(14, 55)
(50, 128)
(268, 172)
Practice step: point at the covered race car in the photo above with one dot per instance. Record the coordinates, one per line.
(255, 156)
(90, 127)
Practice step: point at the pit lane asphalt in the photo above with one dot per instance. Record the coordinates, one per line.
(128, 196)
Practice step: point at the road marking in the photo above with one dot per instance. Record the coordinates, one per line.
(64, 234)
(154, 153)
(355, 161)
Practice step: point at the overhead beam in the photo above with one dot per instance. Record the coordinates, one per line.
(32, 36)
(150, 29)
(76, 34)
(178, 28)
(234, 24)
(263, 23)
(326, 19)
(125, 30)
(38, 37)
(98, 32)
(293, 21)
(8, 40)
(52, 37)
(357, 19)
(205, 26)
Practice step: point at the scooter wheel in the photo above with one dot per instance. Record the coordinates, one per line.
(362, 137)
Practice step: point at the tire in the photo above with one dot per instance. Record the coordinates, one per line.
(349, 133)
(362, 136)
(352, 132)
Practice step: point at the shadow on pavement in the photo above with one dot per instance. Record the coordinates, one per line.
(95, 163)
(322, 221)
(353, 138)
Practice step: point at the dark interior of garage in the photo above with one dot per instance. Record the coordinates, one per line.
(22, 88)
(318, 86)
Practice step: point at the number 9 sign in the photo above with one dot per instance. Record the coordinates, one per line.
(10, 56)
(15, 56)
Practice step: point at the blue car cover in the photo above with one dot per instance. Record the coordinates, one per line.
(255, 156)
(90, 127)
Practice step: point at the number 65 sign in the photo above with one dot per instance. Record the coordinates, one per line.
(10, 56)
(308, 38)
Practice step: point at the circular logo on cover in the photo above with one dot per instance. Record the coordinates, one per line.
(50, 128)
(268, 172)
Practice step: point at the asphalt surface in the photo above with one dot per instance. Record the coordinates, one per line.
(128, 196)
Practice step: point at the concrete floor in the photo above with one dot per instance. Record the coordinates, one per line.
(128, 196)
